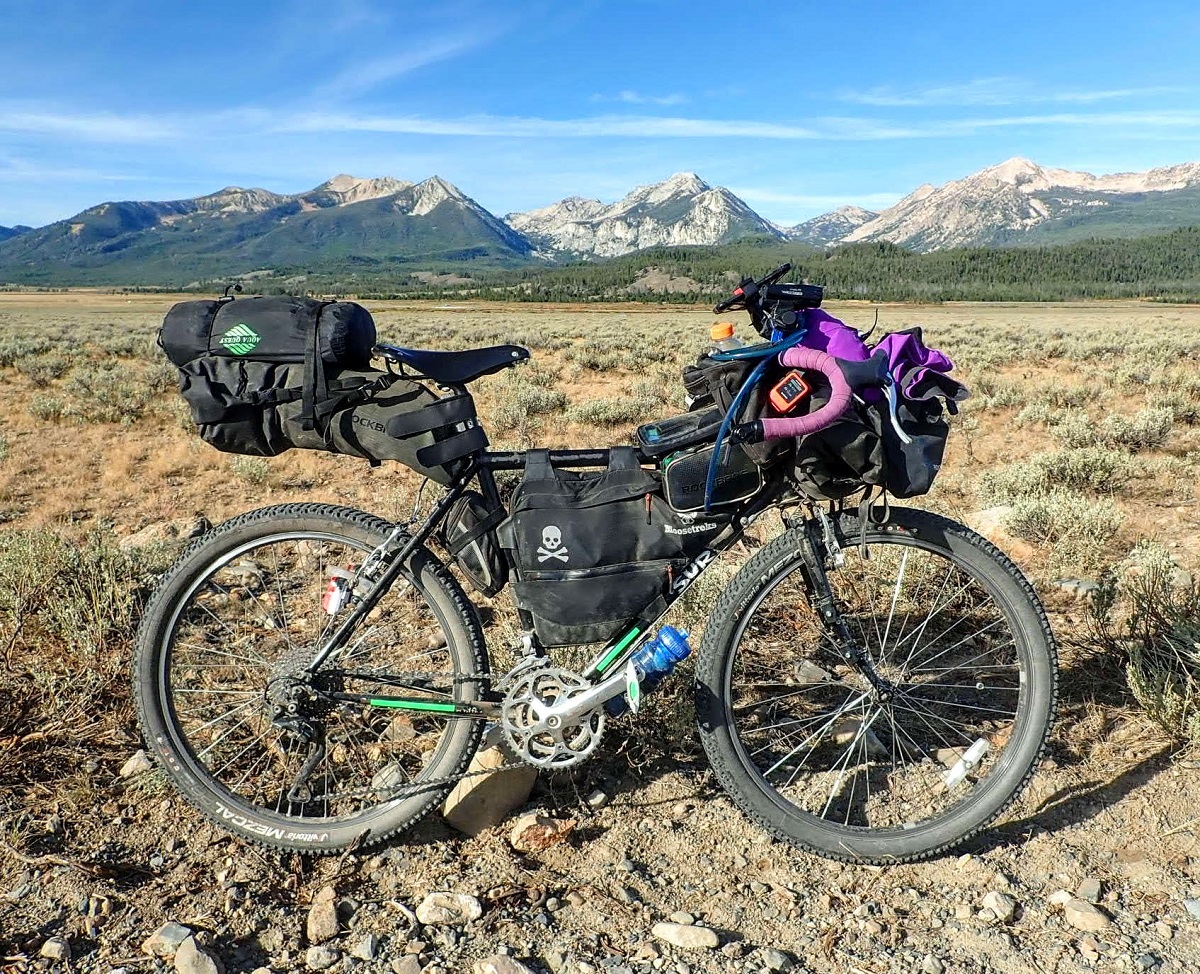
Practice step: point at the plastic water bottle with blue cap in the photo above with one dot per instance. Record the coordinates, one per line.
(648, 667)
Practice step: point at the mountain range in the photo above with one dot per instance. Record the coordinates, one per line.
(393, 224)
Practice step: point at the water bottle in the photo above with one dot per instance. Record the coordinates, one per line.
(653, 663)
(723, 337)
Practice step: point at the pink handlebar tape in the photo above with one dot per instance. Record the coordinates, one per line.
(799, 357)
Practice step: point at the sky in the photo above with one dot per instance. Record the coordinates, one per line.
(797, 107)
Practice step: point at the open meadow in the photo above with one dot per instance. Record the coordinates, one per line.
(1078, 454)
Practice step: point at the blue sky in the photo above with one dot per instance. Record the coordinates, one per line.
(797, 107)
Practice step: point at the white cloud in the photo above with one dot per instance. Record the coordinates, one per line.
(104, 127)
(26, 173)
(362, 76)
(636, 98)
(245, 124)
(990, 92)
(508, 126)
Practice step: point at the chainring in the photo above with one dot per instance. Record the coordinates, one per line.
(542, 740)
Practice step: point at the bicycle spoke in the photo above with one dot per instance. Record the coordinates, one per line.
(946, 672)
(234, 654)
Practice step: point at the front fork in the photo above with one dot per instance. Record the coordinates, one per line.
(819, 548)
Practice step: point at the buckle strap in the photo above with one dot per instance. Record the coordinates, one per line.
(444, 412)
(476, 532)
(459, 445)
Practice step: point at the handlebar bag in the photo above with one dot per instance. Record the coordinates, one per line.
(255, 408)
(594, 551)
(862, 449)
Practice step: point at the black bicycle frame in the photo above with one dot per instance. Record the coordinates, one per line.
(482, 467)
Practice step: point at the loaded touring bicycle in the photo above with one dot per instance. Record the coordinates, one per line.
(875, 684)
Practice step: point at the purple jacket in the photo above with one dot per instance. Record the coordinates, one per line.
(919, 372)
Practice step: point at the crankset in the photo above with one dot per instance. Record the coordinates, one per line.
(536, 734)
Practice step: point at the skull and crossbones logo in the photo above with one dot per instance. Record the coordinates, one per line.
(552, 545)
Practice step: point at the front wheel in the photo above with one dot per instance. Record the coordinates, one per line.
(237, 621)
(903, 766)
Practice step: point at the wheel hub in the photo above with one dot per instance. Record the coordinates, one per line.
(293, 694)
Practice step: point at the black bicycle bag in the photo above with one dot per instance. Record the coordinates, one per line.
(595, 551)
(269, 329)
(863, 449)
(255, 409)
(265, 375)
(469, 537)
(715, 383)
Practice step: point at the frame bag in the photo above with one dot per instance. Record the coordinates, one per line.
(595, 551)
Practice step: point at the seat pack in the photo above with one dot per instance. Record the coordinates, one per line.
(267, 374)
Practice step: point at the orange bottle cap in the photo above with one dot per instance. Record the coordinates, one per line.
(722, 329)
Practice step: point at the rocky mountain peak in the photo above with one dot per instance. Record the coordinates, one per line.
(234, 200)
(1016, 170)
(828, 228)
(854, 214)
(433, 191)
(679, 211)
(681, 184)
(346, 189)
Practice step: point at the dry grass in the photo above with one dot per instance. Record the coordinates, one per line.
(94, 445)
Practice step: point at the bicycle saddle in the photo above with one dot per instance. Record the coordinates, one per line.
(456, 368)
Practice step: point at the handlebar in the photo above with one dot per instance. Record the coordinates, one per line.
(749, 288)
(844, 377)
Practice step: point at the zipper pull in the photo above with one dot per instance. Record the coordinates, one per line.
(648, 521)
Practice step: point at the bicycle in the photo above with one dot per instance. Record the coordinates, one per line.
(314, 678)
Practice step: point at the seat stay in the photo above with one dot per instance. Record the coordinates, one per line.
(455, 368)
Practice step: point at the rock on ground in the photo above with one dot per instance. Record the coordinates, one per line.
(1084, 916)
(367, 948)
(687, 936)
(408, 964)
(165, 941)
(56, 949)
(479, 803)
(139, 762)
(449, 909)
(500, 964)
(535, 832)
(320, 958)
(191, 958)
(1001, 904)
(322, 922)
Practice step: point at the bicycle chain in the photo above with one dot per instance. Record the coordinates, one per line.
(415, 787)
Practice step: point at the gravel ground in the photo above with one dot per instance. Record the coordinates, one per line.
(661, 873)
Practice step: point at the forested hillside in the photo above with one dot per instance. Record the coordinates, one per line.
(1163, 266)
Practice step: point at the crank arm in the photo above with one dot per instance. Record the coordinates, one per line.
(571, 709)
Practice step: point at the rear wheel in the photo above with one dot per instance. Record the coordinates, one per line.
(239, 616)
(810, 749)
